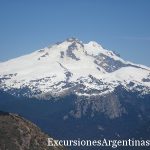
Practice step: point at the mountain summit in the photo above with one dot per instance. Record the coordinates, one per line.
(78, 87)
(71, 66)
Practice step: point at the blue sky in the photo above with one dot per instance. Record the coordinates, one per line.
(120, 25)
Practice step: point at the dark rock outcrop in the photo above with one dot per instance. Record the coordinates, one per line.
(16, 133)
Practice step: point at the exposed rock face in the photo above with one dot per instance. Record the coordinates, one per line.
(108, 105)
(16, 133)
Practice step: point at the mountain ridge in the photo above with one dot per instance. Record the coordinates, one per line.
(78, 87)
(65, 65)
(17, 133)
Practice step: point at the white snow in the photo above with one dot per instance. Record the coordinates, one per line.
(47, 63)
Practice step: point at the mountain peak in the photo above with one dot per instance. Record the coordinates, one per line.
(72, 39)
(94, 43)
(63, 66)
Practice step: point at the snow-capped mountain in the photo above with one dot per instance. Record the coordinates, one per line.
(78, 87)
(85, 69)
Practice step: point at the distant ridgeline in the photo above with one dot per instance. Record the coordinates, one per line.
(78, 90)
